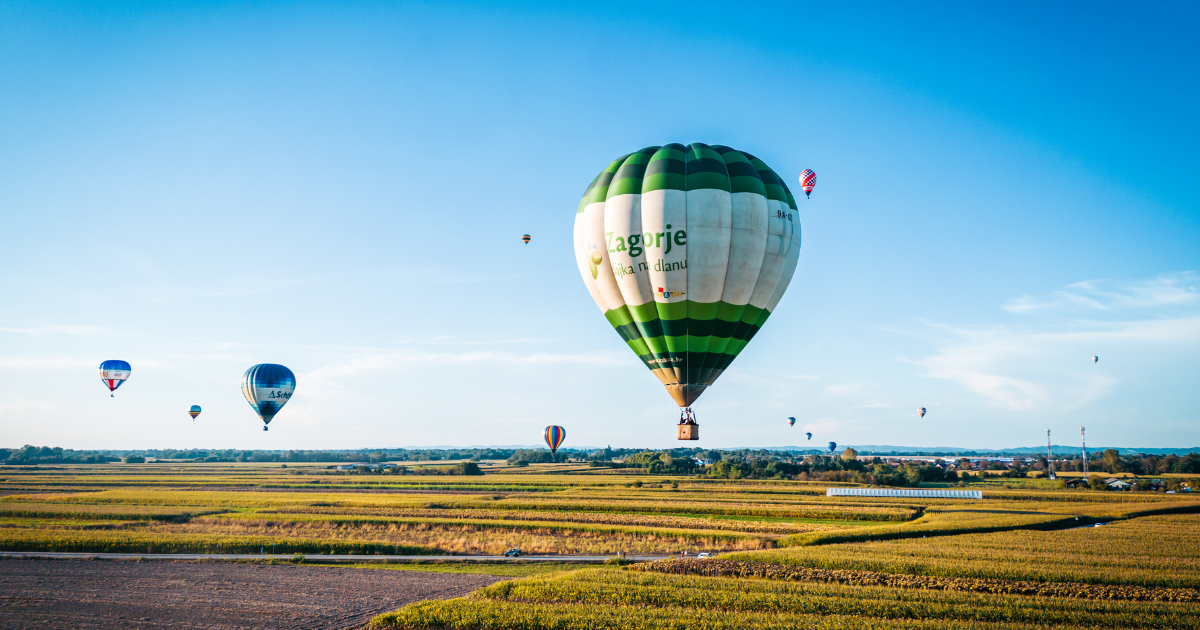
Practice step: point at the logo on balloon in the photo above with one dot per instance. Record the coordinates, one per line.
(670, 294)
(593, 263)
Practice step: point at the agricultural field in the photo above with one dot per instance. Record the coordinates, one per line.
(550, 509)
(999, 566)
(1026, 556)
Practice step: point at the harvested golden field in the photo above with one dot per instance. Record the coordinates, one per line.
(554, 510)
(1147, 550)
(613, 598)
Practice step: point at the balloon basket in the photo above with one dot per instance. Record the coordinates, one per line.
(689, 432)
(264, 428)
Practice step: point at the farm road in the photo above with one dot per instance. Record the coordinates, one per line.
(210, 595)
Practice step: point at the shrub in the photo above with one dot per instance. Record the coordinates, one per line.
(468, 468)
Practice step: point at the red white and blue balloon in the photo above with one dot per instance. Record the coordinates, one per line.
(114, 372)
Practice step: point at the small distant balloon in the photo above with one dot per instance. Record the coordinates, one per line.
(1095, 359)
(808, 180)
(194, 411)
(791, 421)
(832, 446)
(114, 372)
(921, 412)
(554, 437)
(268, 387)
(525, 238)
(809, 435)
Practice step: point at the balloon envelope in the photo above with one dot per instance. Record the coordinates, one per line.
(809, 435)
(921, 411)
(1095, 359)
(525, 238)
(114, 372)
(554, 437)
(267, 388)
(791, 421)
(687, 249)
(808, 180)
(194, 411)
(832, 445)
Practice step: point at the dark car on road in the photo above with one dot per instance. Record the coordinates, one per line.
(514, 553)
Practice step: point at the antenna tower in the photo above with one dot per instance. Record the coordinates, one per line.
(1083, 440)
(1049, 456)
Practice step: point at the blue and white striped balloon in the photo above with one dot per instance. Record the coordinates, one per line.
(267, 388)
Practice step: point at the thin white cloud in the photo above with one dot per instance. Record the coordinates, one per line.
(331, 376)
(822, 426)
(844, 389)
(1025, 304)
(56, 330)
(162, 292)
(1023, 370)
(1173, 289)
(740, 374)
(15, 406)
(39, 362)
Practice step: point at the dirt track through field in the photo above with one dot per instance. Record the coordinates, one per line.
(212, 596)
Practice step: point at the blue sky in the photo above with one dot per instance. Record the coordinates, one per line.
(341, 188)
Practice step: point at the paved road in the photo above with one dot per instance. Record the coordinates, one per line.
(310, 557)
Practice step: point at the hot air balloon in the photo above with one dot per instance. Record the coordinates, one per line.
(921, 412)
(267, 388)
(809, 435)
(525, 238)
(194, 411)
(808, 180)
(791, 421)
(112, 373)
(687, 250)
(554, 437)
(1095, 359)
(832, 446)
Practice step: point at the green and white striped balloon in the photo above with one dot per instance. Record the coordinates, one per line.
(687, 249)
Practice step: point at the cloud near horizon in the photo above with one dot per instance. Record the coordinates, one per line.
(1041, 362)
(1172, 289)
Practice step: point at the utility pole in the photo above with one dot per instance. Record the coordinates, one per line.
(1083, 439)
(1049, 455)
